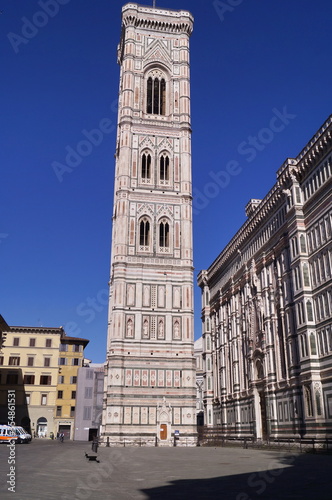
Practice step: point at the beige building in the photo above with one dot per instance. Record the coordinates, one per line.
(267, 309)
(71, 358)
(150, 375)
(29, 365)
(40, 365)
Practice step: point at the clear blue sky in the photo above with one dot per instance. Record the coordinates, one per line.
(249, 62)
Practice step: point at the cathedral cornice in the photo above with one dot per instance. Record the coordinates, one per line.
(293, 170)
(315, 150)
(309, 157)
(265, 209)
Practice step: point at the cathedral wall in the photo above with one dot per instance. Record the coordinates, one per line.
(267, 308)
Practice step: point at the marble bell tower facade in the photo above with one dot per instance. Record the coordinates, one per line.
(150, 368)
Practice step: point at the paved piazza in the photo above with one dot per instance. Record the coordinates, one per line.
(51, 470)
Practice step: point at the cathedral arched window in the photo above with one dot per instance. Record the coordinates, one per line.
(144, 233)
(260, 370)
(306, 275)
(318, 402)
(156, 95)
(146, 167)
(308, 401)
(313, 347)
(310, 315)
(302, 244)
(164, 169)
(164, 234)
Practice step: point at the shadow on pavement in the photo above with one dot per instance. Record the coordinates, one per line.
(301, 477)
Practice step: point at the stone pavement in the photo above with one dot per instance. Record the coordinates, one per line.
(48, 469)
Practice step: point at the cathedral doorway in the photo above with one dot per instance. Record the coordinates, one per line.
(163, 432)
(260, 400)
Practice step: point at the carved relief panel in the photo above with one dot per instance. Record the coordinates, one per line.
(131, 294)
(176, 328)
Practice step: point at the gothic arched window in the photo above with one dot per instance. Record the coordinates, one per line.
(144, 232)
(308, 401)
(318, 402)
(164, 234)
(302, 244)
(306, 275)
(156, 96)
(310, 315)
(164, 168)
(313, 347)
(146, 167)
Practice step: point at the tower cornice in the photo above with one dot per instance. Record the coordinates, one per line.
(161, 20)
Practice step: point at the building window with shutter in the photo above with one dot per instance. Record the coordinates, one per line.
(29, 379)
(45, 380)
(88, 393)
(87, 413)
(14, 361)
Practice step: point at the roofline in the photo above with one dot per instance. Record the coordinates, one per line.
(3, 325)
(38, 328)
(74, 339)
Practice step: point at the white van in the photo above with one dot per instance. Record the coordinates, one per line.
(7, 434)
(22, 435)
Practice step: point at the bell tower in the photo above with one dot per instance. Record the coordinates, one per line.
(150, 368)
